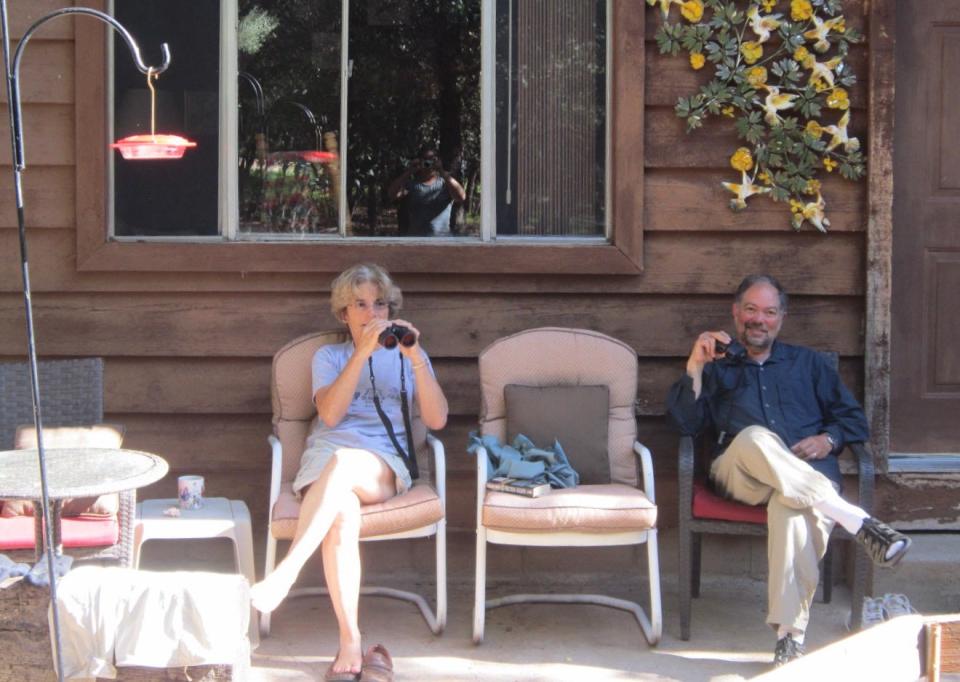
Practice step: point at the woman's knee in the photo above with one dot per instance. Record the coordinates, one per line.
(346, 524)
(345, 464)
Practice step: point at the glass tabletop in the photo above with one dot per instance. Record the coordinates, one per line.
(77, 472)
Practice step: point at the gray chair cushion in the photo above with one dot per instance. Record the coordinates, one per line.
(577, 416)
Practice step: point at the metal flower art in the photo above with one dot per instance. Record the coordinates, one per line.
(780, 71)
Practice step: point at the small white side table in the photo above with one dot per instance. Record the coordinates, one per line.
(218, 518)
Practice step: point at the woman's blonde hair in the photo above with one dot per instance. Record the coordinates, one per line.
(343, 291)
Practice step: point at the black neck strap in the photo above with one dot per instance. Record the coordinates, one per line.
(409, 455)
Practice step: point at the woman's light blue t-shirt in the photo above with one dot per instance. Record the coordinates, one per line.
(361, 427)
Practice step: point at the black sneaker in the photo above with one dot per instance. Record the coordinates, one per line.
(787, 650)
(877, 538)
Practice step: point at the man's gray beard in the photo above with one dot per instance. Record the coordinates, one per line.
(768, 341)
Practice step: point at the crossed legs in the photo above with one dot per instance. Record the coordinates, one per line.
(330, 517)
(758, 468)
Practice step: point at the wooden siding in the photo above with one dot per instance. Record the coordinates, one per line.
(188, 353)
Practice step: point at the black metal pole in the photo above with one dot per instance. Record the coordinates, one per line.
(12, 74)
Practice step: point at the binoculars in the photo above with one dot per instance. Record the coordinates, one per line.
(396, 333)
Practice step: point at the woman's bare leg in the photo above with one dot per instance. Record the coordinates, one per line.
(349, 476)
(342, 570)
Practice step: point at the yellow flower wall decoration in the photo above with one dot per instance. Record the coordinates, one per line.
(780, 70)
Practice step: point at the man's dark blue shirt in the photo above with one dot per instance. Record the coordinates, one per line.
(795, 393)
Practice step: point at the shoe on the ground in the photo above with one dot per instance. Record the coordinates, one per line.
(877, 538)
(896, 605)
(872, 613)
(787, 650)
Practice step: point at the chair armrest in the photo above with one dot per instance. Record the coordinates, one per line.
(481, 455)
(866, 475)
(439, 468)
(686, 466)
(646, 470)
(276, 469)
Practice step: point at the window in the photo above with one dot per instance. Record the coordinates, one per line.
(343, 120)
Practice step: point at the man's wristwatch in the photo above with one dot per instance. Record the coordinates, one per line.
(833, 443)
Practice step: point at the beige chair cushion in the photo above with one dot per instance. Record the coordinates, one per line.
(420, 506)
(577, 357)
(576, 416)
(292, 382)
(93, 436)
(589, 508)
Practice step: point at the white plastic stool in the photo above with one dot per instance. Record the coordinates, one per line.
(218, 518)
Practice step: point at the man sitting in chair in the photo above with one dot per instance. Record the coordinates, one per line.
(359, 452)
(782, 415)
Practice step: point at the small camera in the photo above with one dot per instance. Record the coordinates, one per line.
(396, 333)
(426, 163)
(719, 347)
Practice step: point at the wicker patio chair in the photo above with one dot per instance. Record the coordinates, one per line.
(578, 387)
(417, 513)
(71, 394)
(702, 511)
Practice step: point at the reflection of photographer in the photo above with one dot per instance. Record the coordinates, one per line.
(427, 191)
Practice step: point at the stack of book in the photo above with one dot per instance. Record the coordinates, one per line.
(517, 486)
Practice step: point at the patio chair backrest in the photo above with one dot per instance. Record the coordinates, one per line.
(71, 394)
(555, 356)
(291, 393)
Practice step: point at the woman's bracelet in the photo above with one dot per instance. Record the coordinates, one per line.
(418, 365)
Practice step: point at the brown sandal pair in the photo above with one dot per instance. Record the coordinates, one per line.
(377, 667)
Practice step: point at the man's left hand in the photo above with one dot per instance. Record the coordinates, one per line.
(812, 447)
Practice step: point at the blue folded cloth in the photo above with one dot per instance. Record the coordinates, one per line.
(10, 568)
(523, 459)
(39, 575)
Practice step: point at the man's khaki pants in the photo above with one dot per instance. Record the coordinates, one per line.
(758, 468)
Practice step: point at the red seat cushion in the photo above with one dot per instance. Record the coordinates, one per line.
(708, 505)
(86, 530)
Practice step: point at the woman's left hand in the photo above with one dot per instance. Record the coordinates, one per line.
(414, 352)
(430, 398)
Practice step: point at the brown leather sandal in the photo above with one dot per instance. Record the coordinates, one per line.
(377, 665)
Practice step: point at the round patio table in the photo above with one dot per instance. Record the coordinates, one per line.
(75, 472)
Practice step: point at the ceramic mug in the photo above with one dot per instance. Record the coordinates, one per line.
(190, 491)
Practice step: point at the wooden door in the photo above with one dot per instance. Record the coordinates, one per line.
(925, 347)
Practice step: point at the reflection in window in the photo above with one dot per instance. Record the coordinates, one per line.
(332, 117)
(413, 83)
(288, 116)
(169, 198)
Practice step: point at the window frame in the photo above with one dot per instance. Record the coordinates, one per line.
(620, 254)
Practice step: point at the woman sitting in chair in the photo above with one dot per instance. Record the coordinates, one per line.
(359, 452)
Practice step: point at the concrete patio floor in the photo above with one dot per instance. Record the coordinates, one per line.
(544, 642)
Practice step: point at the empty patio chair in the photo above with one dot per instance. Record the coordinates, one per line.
(578, 387)
(417, 513)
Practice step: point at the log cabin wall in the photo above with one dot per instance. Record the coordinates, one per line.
(188, 353)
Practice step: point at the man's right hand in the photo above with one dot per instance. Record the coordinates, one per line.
(703, 352)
